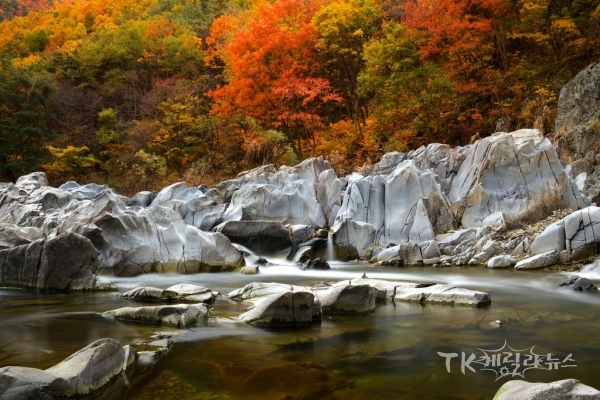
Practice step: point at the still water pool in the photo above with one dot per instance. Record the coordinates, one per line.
(389, 354)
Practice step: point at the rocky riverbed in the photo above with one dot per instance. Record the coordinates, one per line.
(499, 208)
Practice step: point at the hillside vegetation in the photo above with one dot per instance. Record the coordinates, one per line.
(141, 93)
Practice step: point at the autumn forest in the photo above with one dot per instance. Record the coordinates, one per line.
(139, 94)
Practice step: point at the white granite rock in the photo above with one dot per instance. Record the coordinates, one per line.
(542, 260)
(567, 389)
(518, 174)
(442, 294)
(501, 262)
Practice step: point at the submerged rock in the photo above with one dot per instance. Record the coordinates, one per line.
(579, 284)
(567, 389)
(317, 263)
(80, 375)
(177, 315)
(250, 270)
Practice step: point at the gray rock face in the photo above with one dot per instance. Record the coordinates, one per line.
(131, 240)
(177, 315)
(156, 239)
(262, 237)
(518, 174)
(182, 292)
(576, 128)
(578, 234)
(13, 235)
(290, 196)
(80, 375)
(568, 389)
(408, 205)
(442, 294)
(65, 262)
(347, 299)
(409, 254)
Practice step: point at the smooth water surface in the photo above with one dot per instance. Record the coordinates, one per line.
(389, 354)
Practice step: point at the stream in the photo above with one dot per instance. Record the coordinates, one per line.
(391, 353)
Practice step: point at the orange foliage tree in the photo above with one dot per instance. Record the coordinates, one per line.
(271, 71)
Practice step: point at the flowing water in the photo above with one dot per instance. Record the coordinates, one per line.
(389, 354)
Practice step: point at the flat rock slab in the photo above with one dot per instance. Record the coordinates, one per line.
(443, 294)
(261, 289)
(178, 315)
(568, 389)
(80, 375)
(385, 289)
(182, 292)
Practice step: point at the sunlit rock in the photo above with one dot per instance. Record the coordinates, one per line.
(518, 174)
(538, 261)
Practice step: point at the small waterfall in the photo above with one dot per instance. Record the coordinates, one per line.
(330, 255)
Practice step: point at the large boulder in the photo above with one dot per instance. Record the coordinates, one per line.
(81, 375)
(567, 389)
(261, 237)
(517, 174)
(290, 308)
(277, 304)
(347, 299)
(577, 126)
(291, 195)
(156, 239)
(64, 262)
(177, 315)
